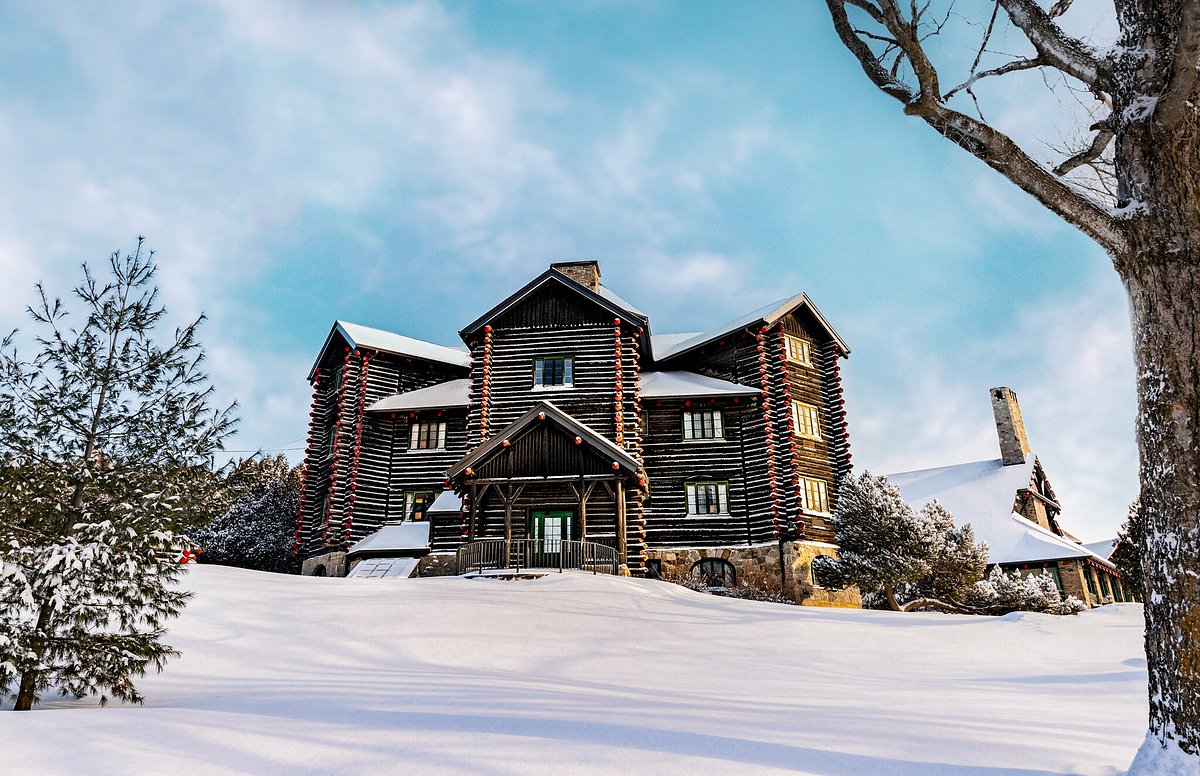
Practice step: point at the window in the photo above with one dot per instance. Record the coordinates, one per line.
(816, 495)
(1051, 570)
(806, 420)
(335, 380)
(330, 439)
(554, 372)
(708, 498)
(798, 351)
(427, 435)
(416, 502)
(715, 572)
(705, 424)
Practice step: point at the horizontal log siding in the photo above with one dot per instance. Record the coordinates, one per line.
(671, 463)
(327, 522)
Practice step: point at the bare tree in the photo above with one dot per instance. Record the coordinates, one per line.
(1133, 186)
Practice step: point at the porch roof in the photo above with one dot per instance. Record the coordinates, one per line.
(542, 412)
(669, 385)
(409, 537)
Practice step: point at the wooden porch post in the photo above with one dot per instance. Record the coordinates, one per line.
(583, 494)
(474, 512)
(622, 539)
(508, 502)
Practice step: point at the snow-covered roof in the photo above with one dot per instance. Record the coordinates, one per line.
(769, 313)
(664, 343)
(446, 501)
(407, 537)
(662, 385)
(607, 293)
(1104, 549)
(453, 393)
(982, 493)
(359, 336)
(384, 568)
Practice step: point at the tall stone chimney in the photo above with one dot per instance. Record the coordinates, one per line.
(585, 273)
(1014, 443)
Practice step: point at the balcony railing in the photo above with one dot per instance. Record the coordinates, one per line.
(501, 555)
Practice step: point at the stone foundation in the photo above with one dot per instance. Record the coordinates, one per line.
(438, 564)
(330, 564)
(758, 565)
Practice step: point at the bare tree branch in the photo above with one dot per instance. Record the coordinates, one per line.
(1055, 47)
(1059, 8)
(1103, 137)
(994, 148)
(1008, 67)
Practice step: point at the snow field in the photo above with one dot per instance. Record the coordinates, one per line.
(594, 674)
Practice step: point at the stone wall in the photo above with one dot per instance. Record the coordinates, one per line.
(759, 565)
(437, 564)
(1071, 573)
(330, 564)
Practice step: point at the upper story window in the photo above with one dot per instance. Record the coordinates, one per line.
(708, 498)
(703, 424)
(798, 351)
(553, 372)
(806, 420)
(815, 494)
(416, 502)
(427, 435)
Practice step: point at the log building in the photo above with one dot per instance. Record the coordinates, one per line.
(565, 417)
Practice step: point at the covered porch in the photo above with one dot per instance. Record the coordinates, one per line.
(546, 491)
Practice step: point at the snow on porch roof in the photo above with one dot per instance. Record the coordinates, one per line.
(411, 536)
(453, 393)
(359, 336)
(663, 385)
(982, 493)
(446, 501)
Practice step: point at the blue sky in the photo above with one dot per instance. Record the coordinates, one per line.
(406, 165)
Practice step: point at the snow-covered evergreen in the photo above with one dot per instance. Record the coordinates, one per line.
(1002, 593)
(105, 442)
(256, 531)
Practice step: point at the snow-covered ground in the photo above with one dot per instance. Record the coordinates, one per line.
(582, 674)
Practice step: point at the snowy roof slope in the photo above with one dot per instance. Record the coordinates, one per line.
(360, 336)
(453, 393)
(446, 501)
(769, 313)
(982, 494)
(607, 293)
(1104, 549)
(661, 385)
(409, 536)
(665, 343)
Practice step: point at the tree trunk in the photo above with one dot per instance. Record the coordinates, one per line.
(1163, 282)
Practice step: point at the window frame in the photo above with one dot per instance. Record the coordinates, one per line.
(819, 485)
(691, 497)
(539, 369)
(728, 572)
(718, 426)
(409, 504)
(802, 345)
(414, 435)
(810, 412)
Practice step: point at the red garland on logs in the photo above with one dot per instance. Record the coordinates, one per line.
(643, 485)
(765, 384)
(360, 415)
(333, 456)
(838, 410)
(620, 393)
(486, 383)
(308, 462)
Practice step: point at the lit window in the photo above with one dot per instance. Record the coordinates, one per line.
(798, 351)
(705, 424)
(708, 498)
(427, 435)
(815, 494)
(554, 372)
(806, 420)
(416, 502)
(715, 572)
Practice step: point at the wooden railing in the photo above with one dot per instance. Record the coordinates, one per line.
(498, 554)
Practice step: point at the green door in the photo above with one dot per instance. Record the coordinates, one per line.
(547, 529)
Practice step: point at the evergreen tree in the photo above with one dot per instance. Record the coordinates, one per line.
(1130, 549)
(105, 441)
(912, 560)
(256, 532)
(1002, 593)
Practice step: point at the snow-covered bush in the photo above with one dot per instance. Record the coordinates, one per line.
(256, 531)
(1001, 593)
(752, 586)
(898, 557)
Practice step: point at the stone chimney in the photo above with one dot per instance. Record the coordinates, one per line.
(1014, 443)
(585, 273)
